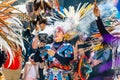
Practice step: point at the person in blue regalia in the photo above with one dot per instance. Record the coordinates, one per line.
(60, 53)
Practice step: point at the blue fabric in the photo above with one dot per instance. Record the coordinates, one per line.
(118, 5)
(104, 55)
(118, 15)
(66, 48)
(64, 54)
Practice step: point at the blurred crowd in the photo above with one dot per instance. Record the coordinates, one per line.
(52, 57)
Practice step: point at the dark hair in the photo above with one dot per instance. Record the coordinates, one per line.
(31, 56)
(36, 5)
(39, 19)
(39, 4)
(3, 57)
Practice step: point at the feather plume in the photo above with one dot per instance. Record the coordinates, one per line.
(8, 48)
(10, 29)
(82, 19)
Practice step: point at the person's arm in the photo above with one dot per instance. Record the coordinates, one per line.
(105, 34)
(68, 56)
(24, 70)
(35, 42)
(108, 38)
(38, 57)
(64, 60)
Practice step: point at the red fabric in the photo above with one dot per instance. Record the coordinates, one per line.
(55, 79)
(15, 63)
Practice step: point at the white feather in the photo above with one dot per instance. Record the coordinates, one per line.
(12, 32)
(49, 30)
(66, 12)
(18, 39)
(8, 48)
(15, 24)
(78, 7)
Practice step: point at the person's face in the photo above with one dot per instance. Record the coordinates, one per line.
(42, 26)
(59, 35)
(51, 3)
(31, 60)
(37, 12)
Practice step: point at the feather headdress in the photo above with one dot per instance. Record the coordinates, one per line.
(82, 19)
(10, 29)
(72, 18)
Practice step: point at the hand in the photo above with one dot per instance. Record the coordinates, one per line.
(51, 52)
(96, 10)
(41, 44)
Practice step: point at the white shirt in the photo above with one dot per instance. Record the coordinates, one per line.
(32, 72)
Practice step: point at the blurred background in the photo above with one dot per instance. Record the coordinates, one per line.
(63, 3)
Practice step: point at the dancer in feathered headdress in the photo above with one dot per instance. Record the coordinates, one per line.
(78, 20)
(113, 41)
(60, 53)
